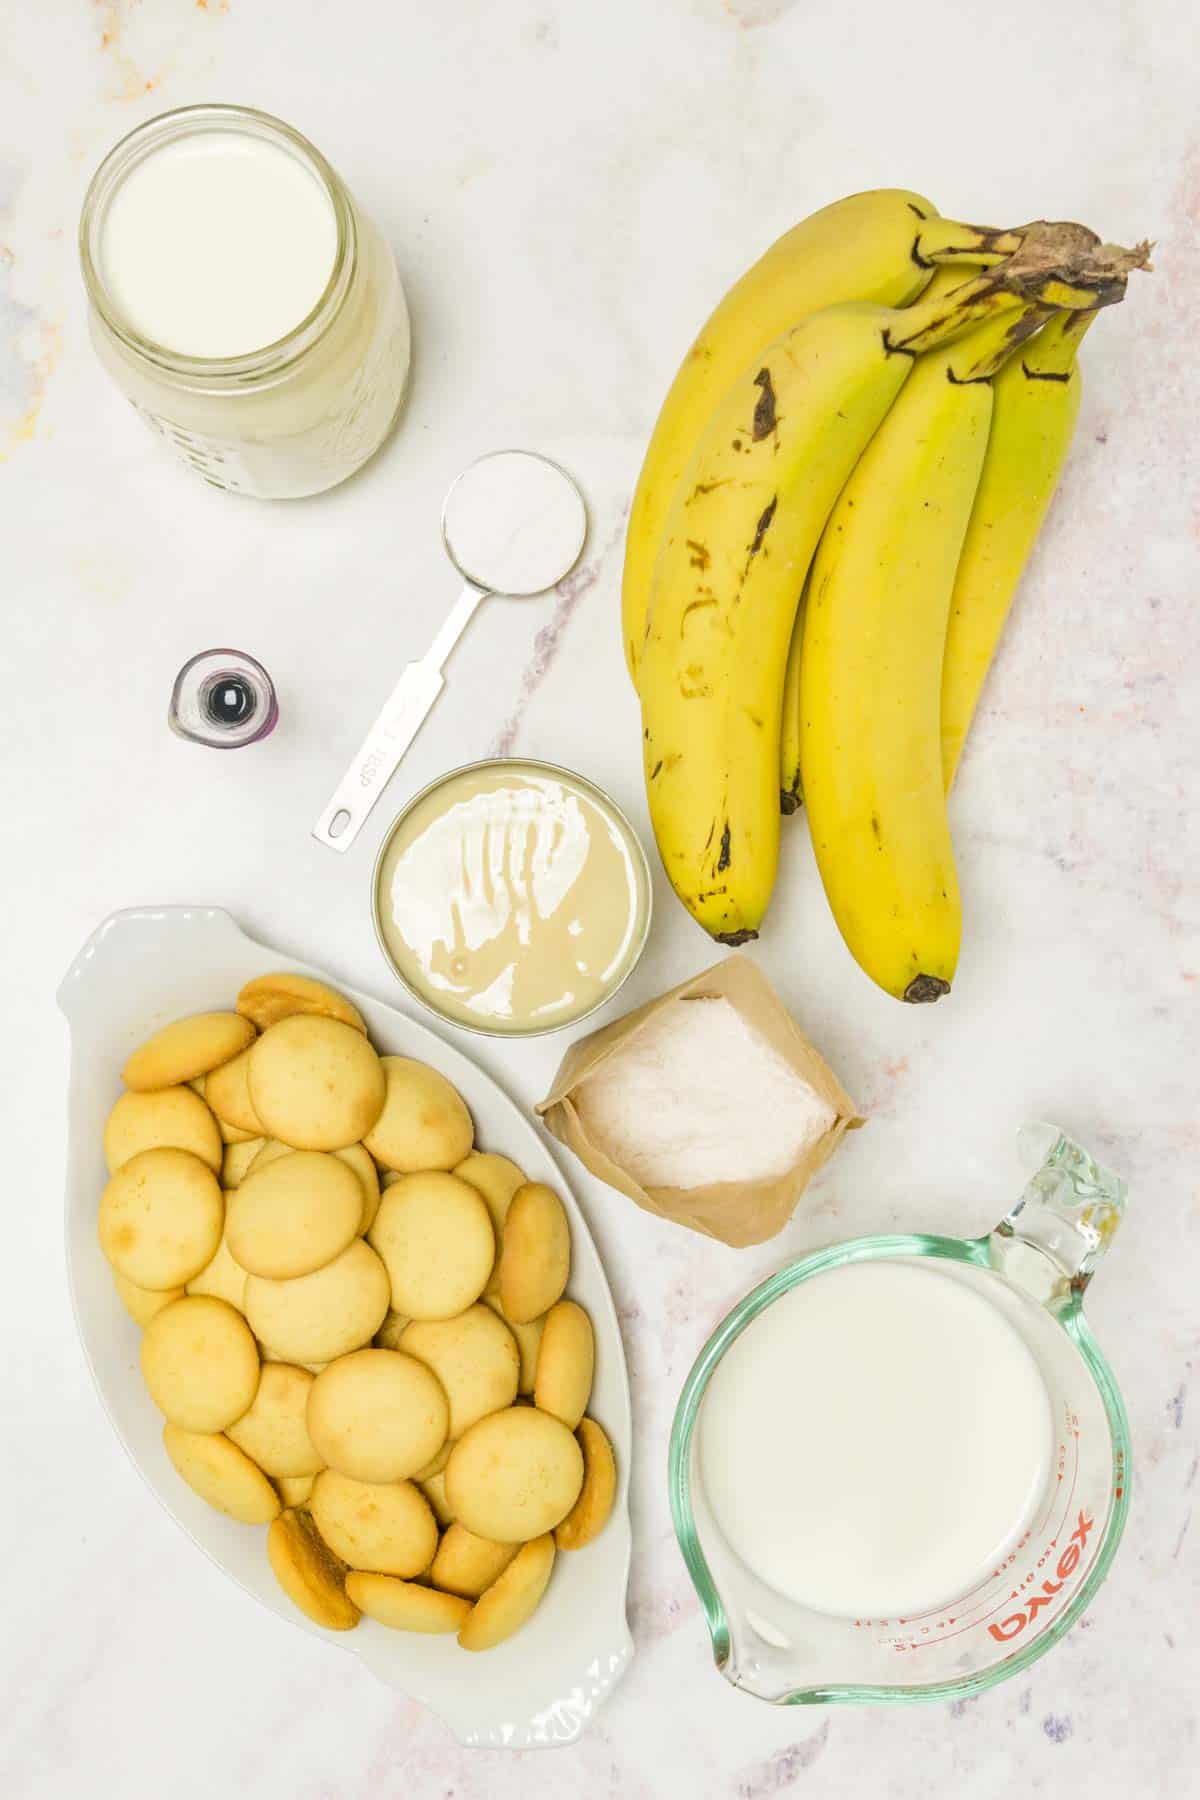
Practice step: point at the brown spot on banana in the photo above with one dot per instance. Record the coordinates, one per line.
(1063, 375)
(724, 858)
(691, 607)
(765, 414)
(890, 349)
(760, 532)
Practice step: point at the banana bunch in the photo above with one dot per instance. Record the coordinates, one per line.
(881, 246)
(874, 419)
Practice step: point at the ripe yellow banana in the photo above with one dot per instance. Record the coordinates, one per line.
(879, 246)
(739, 540)
(791, 788)
(945, 280)
(870, 671)
(1036, 405)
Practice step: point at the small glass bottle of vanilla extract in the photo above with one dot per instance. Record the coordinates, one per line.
(223, 698)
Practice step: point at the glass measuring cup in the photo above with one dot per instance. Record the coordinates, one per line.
(1034, 1267)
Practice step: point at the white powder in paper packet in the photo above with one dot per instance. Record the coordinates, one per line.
(697, 1096)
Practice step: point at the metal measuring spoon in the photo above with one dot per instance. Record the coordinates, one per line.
(513, 523)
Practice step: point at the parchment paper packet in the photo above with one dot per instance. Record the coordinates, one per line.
(736, 1212)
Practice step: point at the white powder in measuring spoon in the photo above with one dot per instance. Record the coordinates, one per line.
(697, 1096)
(514, 523)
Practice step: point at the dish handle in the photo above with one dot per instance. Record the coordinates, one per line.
(135, 935)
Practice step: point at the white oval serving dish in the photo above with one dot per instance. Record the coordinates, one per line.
(143, 967)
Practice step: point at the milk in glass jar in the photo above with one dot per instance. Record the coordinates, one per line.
(242, 301)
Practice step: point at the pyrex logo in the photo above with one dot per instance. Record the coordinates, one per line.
(1068, 1562)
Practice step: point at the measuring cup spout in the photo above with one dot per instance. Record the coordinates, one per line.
(1051, 1241)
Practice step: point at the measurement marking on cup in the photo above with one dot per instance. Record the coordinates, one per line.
(1027, 1608)
(1073, 1429)
(1066, 1566)
(1060, 1468)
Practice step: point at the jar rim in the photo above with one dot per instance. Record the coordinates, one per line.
(266, 359)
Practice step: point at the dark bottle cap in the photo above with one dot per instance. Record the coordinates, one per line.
(223, 698)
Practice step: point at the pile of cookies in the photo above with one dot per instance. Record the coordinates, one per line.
(353, 1320)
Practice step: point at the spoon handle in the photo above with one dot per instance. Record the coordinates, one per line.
(404, 713)
(454, 624)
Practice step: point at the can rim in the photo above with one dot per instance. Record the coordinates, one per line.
(606, 804)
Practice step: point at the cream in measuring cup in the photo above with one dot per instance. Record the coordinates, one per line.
(875, 1442)
(512, 897)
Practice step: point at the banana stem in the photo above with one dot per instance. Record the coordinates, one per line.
(1060, 266)
(944, 316)
(989, 347)
(1051, 356)
(950, 241)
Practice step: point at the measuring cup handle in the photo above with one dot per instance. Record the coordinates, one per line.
(1053, 1238)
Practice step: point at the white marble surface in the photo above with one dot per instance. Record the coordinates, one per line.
(569, 187)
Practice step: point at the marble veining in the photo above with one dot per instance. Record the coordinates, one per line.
(550, 639)
(569, 188)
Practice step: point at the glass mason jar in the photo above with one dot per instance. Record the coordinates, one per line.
(295, 416)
